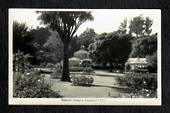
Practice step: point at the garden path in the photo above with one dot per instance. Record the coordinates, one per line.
(103, 87)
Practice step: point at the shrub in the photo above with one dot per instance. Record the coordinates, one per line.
(152, 60)
(143, 93)
(31, 85)
(143, 84)
(138, 81)
(82, 80)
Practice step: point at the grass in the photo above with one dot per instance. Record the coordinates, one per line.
(103, 87)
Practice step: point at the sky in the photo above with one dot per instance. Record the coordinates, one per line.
(105, 20)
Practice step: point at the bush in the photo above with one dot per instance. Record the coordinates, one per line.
(143, 84)
(139, 81)
(31, 85)
(143, 93)
(82, 80)
(152, 60)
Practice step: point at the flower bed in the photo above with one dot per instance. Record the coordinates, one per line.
(31, 85)
(143, 84)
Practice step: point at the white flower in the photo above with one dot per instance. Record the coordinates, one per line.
(28, 73)
(147, 95)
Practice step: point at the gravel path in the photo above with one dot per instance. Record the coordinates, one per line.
(103, 87)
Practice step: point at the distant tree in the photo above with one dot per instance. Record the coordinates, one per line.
(87, 37)
(93, 46)
(140, 26)
(123, 27)
(144, 46)
(40, 35)
(23, 41)
(148, 24)
(66, 24)
(53, 48)
(137, 26)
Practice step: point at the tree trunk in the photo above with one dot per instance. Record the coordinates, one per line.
(111, 66)
(65, 73)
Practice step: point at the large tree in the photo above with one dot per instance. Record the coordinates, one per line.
(113, 49)
(66, 24)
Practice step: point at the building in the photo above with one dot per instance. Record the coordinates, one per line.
(80, 60)
(136, 63)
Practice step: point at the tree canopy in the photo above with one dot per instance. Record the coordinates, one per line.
(144, 46)
(113, 49)
(140, 26)
(22, 39)
(66, 24)
(87, 37)
(123, 27)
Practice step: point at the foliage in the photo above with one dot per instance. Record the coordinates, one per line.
(148, 24)
(31, 85)
(140, 26)
(40, 36)
(93, 46)
(111, 49)
(137, 25)
(139, 81)
(66, 24)
(82, 80)
(152, 60)
(144, 46)
(22, 39)
(144, 85)
(143, 93)
(52, 49)
(20, 61)
(86, 38)
(123, 27)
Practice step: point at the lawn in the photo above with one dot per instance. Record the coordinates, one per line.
(103, 87)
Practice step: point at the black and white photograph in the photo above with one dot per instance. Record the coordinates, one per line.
(84, 56)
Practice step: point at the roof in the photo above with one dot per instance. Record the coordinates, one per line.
(137, 61)
(81, 54)
(74, 59)
(87, 60)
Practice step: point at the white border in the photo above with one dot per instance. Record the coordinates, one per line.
(82, 101)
